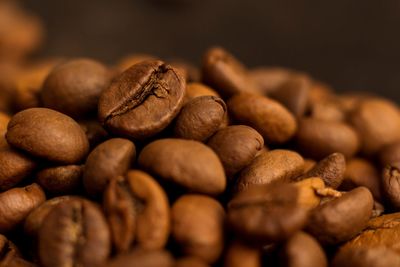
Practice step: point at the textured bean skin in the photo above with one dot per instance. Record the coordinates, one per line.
(358, 257)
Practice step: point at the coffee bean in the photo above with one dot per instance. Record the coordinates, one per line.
(391, 184)
(17, 203)
(226, 74)
(271, 166)
(142, 258)
(137, 210)
(269, 79)
(302, 250)
(320, 138)
(95, 133)
(61, 180)
(378, 124)
(364, 256)
(309, 164)
(74, 87)
(200, 118)
(74, 233)
(190, 262)
(48, 134)
(327, 110)
(236, 146)
(197, 226)
(142, 100)
(272, 120)
(266, 213)
(9, 251)
(108, 160)
(194, 90)
(390, 153)
(310, 192)
(331, 169)
(187, 163)
(241, 255)
(341, 219)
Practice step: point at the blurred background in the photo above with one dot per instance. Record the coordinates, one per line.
(352, 45)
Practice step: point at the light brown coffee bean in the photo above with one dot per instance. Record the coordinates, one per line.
(200, 118)
(225, 73)
(390, 154)
(269, 79)
(270, 166)
(17, 203)
(239, 254)
(61, 180)
(378, 124)
(48, 134)
(341, 219)
(302, 250)
(194, 90)
(108, 160)
(138, 212)
(271, 119)
(187, 163)
(391, 184)
(327, 110)
(318, 138)
(236, 146)
(365, 256)
(310, 192)
(197, 226)
(142, 258)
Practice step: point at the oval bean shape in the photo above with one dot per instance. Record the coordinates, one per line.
(187, 163)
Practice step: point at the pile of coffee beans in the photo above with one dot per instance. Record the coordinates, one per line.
(151, 162)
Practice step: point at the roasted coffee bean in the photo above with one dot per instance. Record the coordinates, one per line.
(197, 226)
(293, 93)
(309, 164)
(17, 203)
(331, 169)
(8, 251)
(142, 100)
(48, 134)
(137, 210)
(61, 180)
(302, 250)
(194, 90)
(269, 79)
(341, 219)
(200, 118)
(108, 160)
(271, 166)
(187, 163)
(272, 120)
(226, 74)
(74, 87)
(378, 124)
(74, 233)
(311, 191)
(267, 213)
(240, 255)
(94, 132)
(142, 258)
(190, 262)
(391, 184)
(390, 153)
(37, 216)
(360, 172)
(320, 138)
(327, 110)
(236, 146)
(364, 256)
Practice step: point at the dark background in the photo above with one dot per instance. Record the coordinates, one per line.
(352, 45)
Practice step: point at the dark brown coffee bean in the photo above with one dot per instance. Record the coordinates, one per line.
(110, 159)
(266, 213)
(48, 134)
(236, 146)
(269, 79)
(240, 255)
(378, 124)
(340, 219)
(37, 216)
(142, 100)
(95, 133)
(200, 118)
(17, 203)
(187, 163)
(14, 167)
(190, 262)
(302, 250)
(137, 210)
(197, 226)
(331, 169)
(364, 256)
(194, 90)
(74, 87)
(390, 154)
(293, 93)
(391, 184)
(226, 74)
(360, 172)
(74, 233)
(61, 180)
(142, 258)
(270, 166)
(272, 120)
(319, 138)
